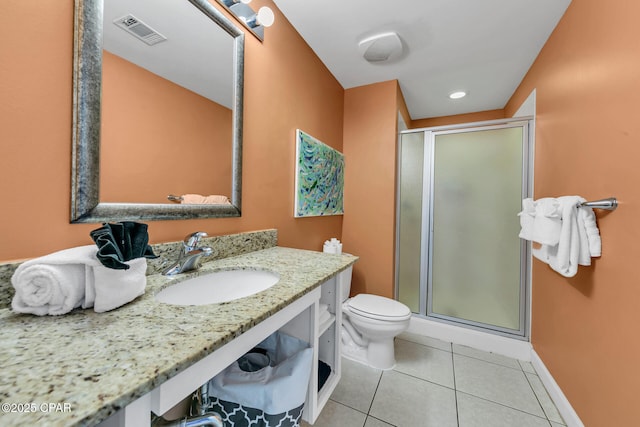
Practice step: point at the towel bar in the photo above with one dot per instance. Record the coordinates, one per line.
(609, 204)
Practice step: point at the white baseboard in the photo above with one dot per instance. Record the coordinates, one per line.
(480, 340)
(562, 403)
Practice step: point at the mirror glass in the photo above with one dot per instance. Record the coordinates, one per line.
(157, 111)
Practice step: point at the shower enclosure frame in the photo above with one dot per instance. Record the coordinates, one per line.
(426, 244)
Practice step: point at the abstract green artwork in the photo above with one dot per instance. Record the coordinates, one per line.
(319, 178)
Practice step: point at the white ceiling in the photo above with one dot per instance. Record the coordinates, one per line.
(197, 54)
(483, 47)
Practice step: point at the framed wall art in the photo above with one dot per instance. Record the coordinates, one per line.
(319, 187)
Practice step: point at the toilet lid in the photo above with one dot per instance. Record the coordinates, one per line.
(377, 307)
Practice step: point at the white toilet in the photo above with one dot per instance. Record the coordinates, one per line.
(369, 325)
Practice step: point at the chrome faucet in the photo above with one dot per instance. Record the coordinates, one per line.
(190, 256)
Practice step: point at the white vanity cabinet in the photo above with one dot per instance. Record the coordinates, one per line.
(324, 337)
(299, 319)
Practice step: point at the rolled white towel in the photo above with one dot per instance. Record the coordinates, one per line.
(53, 284)
(57, 283)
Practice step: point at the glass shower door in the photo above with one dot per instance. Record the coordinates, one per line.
(476, 263)
(409, 232)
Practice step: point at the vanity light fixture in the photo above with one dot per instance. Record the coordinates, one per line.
(264, 17)
(254, 22)
(457, 95)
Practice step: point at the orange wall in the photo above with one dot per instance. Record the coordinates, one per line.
(458, 119)
(370, 141)
(159, 138)
(585, 328)
(286, 87)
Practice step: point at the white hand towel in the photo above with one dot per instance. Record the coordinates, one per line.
(114, 288)
(584, 255)
(527, 217)
(57, 283)
(568, 253)
(547, 222)
(593, 234)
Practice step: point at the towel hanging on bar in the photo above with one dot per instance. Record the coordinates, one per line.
(568, 236)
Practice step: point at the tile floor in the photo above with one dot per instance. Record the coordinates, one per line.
(439, 384)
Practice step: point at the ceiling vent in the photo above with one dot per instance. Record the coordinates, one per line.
(380, 48)
(139, 30)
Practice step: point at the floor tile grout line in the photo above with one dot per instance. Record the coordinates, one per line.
(505, 406)
(488, 361)
(455, 389)
(374, 393)
(457, 393)
(426, 345)
(375, 418)
(520, 368)
(538, 399)
(350, 407)
(347, 406)
(422, 379)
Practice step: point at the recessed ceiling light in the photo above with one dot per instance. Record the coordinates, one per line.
(457, 95)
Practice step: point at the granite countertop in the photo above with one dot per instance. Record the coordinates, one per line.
(93, 364)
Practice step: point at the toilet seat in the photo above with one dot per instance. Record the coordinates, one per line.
(378, 308)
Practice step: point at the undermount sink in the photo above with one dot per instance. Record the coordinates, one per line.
(216, 287)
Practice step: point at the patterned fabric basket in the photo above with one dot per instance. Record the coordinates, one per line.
(236, 415)
(267, 387)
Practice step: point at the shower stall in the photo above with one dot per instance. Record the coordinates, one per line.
(458, 256)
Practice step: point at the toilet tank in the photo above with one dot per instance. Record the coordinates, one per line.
(344, 279)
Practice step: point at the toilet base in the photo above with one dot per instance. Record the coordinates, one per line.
(357, 354)
(381, 354)
(377, 354)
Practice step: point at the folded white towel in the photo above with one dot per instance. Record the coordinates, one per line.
(114, 288)
(547, 221)
(323, 313)
(540, 220)
(527, 217)
(59, 282)
(588, 217)
(324, 317)
(573, 247)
